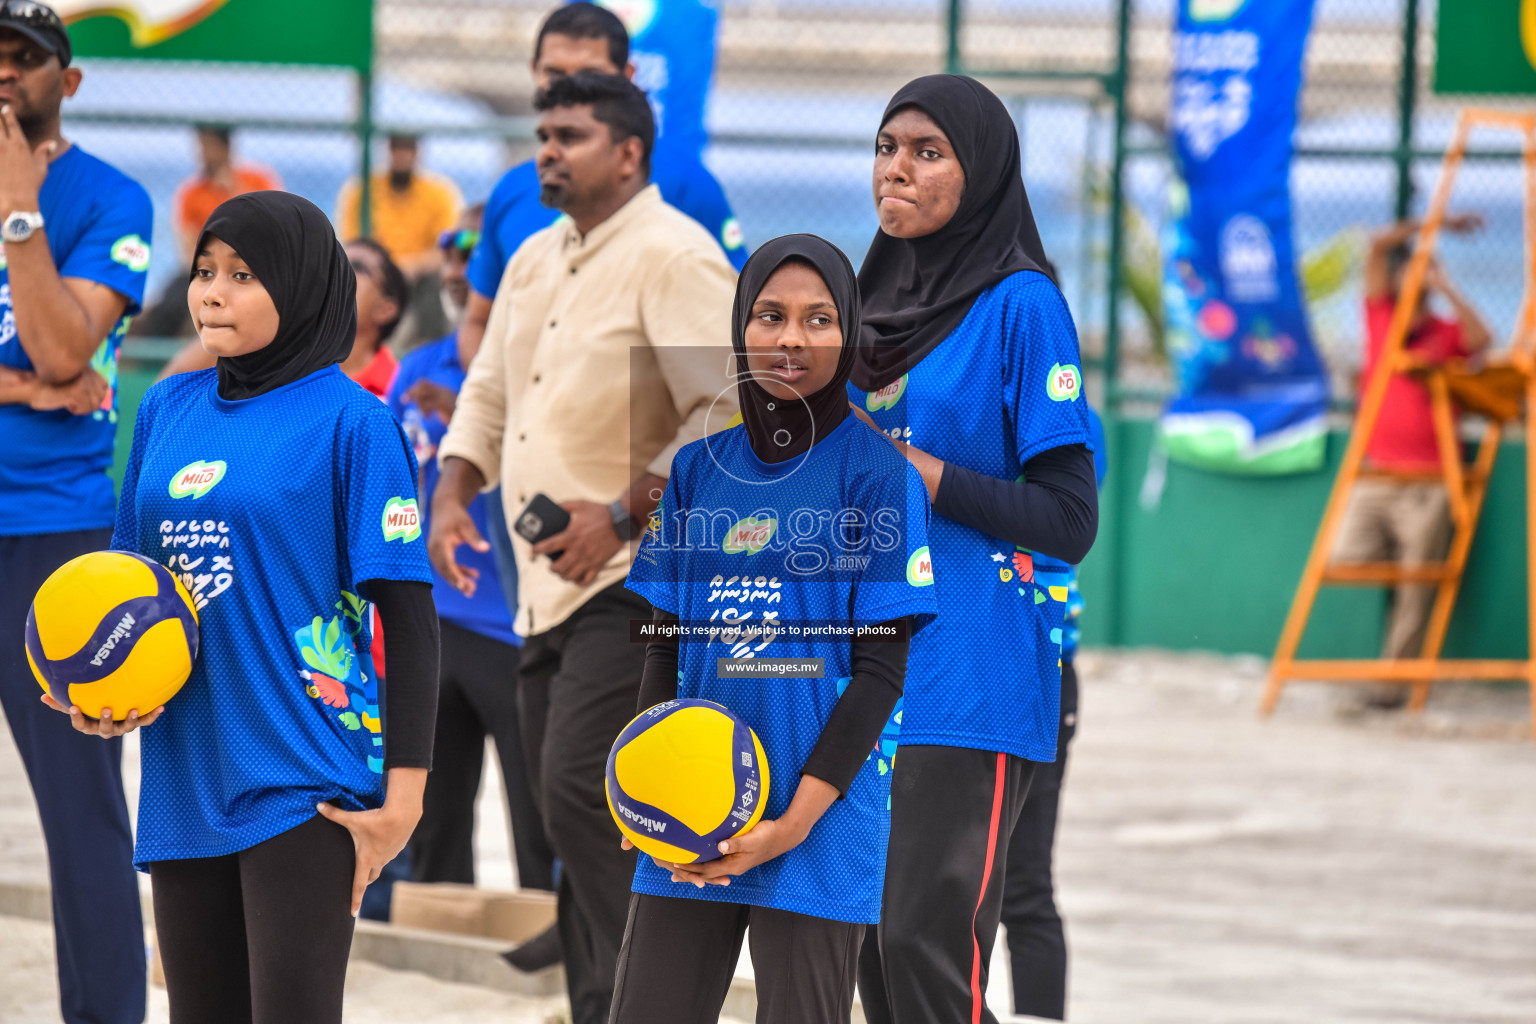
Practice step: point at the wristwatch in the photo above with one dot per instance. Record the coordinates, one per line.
(623, 523)
(20, 225)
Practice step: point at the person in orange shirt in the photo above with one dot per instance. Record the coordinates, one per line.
(220, 179)
(410, 209)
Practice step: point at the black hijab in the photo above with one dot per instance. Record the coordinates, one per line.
(778, 428)
(292, 249)
(917, 290)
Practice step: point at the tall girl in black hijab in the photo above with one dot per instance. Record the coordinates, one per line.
(968, 361)
(283, 497)
(801, 517)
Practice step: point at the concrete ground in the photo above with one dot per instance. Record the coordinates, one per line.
(1214, 868)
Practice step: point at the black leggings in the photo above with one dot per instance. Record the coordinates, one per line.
(260, 936)
(680, 954)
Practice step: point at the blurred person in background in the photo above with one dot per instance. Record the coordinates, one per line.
(1037, 944)
(477, 691)
(409, 209)
(219, 178)
(582, 37)
(76, 233)
(383, 296)
(598, 366)
(1406, 519)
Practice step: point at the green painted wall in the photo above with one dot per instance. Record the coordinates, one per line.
(1214, 564)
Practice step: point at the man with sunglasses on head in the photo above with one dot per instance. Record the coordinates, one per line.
(76, 248)
(583, 37)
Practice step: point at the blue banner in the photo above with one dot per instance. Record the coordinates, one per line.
(1252, 392)
(672, 45)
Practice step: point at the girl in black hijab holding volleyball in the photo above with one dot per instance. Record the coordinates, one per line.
(968, 362)
(801, 518)
(275, 783)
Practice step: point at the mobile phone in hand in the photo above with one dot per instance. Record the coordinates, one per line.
(541, 519)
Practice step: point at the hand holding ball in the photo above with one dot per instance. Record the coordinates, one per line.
(112, 630)
(684, 776)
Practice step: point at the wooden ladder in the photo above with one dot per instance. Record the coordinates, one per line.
(1502, 392)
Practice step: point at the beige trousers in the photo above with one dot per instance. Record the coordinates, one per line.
(1407, 523)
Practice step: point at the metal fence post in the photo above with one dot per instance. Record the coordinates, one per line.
(956, 15)
(364, 131)
(1110, 538)
(1407, 100)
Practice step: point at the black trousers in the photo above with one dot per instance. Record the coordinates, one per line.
(98, 930)
(952, 812)
(680, 954)
(577, 688)
(1037, 947)
(477, 697)
(260, 936)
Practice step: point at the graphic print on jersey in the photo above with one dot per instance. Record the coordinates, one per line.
(336, 677)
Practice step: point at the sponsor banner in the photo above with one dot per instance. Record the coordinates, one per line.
(335, 32)
(672, 45)
(1252, 391)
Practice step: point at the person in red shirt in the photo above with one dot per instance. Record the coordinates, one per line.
(219, 179)
(1397, 519)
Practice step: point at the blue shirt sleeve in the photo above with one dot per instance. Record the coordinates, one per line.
(512, 213)
(653, 574)
(898, 578)
(1100, 448)
(688, 185)
(405, 375)
(487, 262)
(375, 474)
(1042, 369)
(113, 250)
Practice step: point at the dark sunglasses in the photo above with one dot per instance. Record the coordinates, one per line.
(463, 241)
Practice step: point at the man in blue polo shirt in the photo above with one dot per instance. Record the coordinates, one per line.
(585, 37)
(76, 247)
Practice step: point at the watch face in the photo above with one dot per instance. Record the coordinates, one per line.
(17, 229)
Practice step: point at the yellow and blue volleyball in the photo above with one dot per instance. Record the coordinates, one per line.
(112, 630)
(683, 776)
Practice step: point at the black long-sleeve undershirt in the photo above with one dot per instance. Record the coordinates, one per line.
(411, 647)
(879, 673)
(1054, 511)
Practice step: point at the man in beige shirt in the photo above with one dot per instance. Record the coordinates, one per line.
(607, 349)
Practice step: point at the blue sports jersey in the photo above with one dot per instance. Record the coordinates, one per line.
(53, 465)
(271, 510)
(513, 212)
(835, 538)
(1071, 632)
(986, 675)
(487, 612)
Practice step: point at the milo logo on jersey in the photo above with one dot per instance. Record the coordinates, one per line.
(196, 479)
(1064, 383)
(920, 568)
(888, 396)
(132, 252)
(402, 520)
(750, 535)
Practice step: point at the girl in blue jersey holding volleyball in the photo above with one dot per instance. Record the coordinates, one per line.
(800, 517)
(968, 361)
(275, 786)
